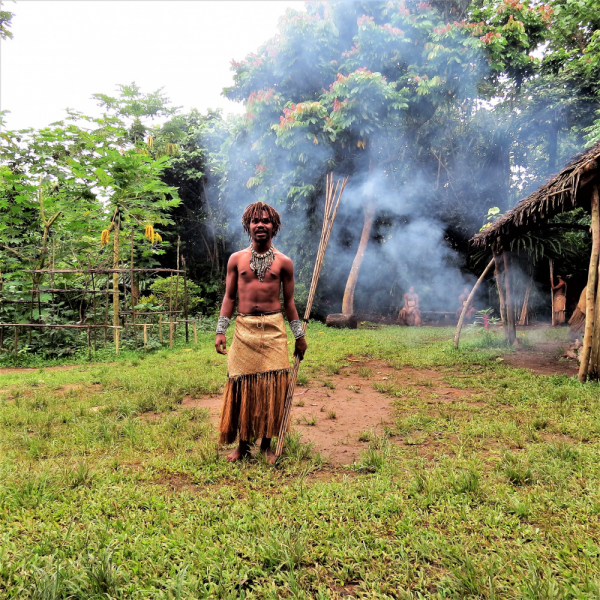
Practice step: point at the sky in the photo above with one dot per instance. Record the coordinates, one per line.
(64, 51)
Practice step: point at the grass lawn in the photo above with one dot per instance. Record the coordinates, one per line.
(109, 488)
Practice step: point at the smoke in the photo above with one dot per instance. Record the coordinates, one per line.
(409, 243)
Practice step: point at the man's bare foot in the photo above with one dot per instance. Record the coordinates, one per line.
(241, 452)
(265, 448)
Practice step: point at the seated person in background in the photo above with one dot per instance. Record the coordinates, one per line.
(410, 314)
(560, 300)
(462, 300)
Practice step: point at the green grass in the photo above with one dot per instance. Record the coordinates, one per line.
(109, 488)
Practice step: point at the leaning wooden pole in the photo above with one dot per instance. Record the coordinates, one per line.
(333, 195)
(116, 278)
(590, 299)
(468, 302)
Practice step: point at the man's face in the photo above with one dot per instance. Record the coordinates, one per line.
(261, 227)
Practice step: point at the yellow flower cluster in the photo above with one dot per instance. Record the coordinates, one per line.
(152, 235)
(104, 237)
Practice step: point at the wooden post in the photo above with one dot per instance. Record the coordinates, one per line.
(132, 296)
(195, 334)
(16, 342)
(116, 276)
(185, 300)
(160, 328)
(498, 262)
(171, 335)
(89, 342)
(590, 298)
(468, 303)
(551, 262)
(510, 312)
(145, 336)
(116, 338)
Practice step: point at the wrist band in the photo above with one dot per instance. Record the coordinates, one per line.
(296, 327)
(222, 325)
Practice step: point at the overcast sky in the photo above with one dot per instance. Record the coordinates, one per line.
(63, 51)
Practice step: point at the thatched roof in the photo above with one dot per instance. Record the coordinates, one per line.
(560, 193)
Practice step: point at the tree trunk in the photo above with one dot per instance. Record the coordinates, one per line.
(348, 301)
(341, 320)
(468, 302)
(116, 276)
(511, 330)
(498, 261)
(590, 299)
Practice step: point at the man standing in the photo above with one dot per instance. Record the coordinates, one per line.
(257, 363)
(462, 300)
(410, 313)
(559, 305)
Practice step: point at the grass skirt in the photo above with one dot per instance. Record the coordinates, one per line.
(258, 366)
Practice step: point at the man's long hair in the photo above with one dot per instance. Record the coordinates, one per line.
(255, 210)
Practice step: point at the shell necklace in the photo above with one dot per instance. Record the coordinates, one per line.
(261, 263)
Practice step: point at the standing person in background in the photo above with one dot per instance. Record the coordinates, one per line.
(560, 300)
(257, 363)
(410, 313)
(462, 300)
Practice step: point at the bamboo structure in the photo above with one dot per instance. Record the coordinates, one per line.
(333, 195)
(469, 300)
(511, 331)
(576, 186)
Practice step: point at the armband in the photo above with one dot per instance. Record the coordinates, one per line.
(296, 327)
(222, 325)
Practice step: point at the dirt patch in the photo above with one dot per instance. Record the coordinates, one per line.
(544, 359)
(12, 371)
(332, 412)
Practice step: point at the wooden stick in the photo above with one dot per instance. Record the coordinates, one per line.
(332, 203)
(145, 336)
(160, 329)
(524, 320)
(510, 312)
(551, 263)
(195, 334)
(171, 335)
(185, 300)
(16, 342)
(468, 302)
(498, 274)
(89, 342)
(116, 336)
(590, 299)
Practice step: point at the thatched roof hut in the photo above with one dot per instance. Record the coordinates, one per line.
(577, 185)
(569, 189)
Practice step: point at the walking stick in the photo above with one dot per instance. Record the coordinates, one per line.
(333, 195)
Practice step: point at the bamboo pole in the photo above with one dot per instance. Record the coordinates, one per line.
(590, 299)
(195, 334)
(116, 338)
(145, 336)
(116, 278)
(510, 312)
(468, 302)
(131, 294)
(89, 343)
(498, 261)
(171, 335)
(160, 328)
(332, 201)
(185, 301)
(16, 342)
(551, 263)
(524, 319)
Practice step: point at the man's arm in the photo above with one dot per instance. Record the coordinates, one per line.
(287, 279)
(228, 303)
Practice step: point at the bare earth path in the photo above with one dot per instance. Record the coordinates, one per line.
(332, 417)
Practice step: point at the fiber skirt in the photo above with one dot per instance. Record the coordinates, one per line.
(258, 366)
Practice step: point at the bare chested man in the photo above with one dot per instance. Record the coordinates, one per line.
(410, 313)
(560, 300)
(257, 363)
